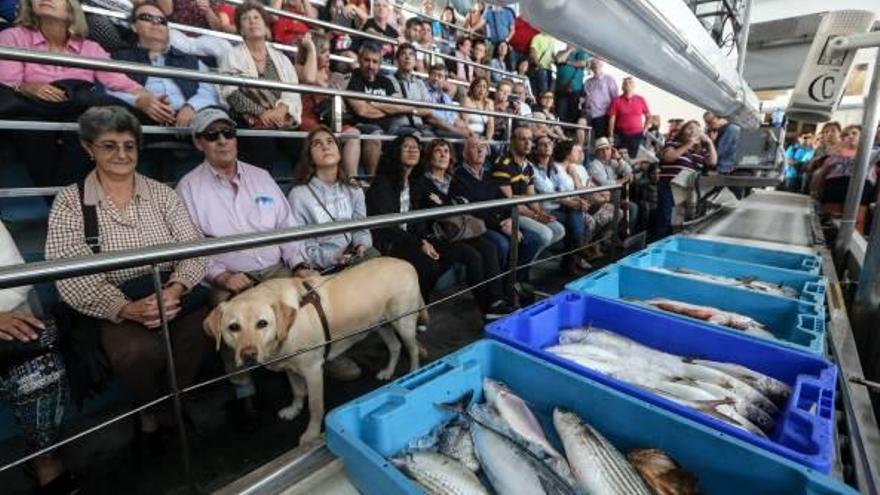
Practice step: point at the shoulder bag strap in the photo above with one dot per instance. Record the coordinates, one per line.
(90, 220)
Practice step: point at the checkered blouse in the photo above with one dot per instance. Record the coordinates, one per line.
(154, 216)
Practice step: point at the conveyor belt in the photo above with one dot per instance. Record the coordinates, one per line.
(771, 216)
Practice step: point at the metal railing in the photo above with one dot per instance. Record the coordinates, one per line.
(236, 38)
(153, 256)
(376, 37)
(418, 13)
(67, 60)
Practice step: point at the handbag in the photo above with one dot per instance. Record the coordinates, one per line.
(458, 228)
(15, 352)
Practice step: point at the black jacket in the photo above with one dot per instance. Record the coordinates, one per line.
(465, 185)
(383, 197)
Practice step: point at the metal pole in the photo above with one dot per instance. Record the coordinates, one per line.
(615, 222)
(857, 181)
(866, 304)
(337, 111)
(742, 46)
(172, 381)
(514, 254)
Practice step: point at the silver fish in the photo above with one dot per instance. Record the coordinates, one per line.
(438, 474)
(455, 441)
(599, 467)
(510, 467)
(772, 388)
(516, 414)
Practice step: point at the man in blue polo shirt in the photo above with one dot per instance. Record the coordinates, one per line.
(499, 25)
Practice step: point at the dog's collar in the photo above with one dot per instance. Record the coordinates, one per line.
(311, 297)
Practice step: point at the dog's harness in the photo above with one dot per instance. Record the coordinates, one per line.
(312, 297)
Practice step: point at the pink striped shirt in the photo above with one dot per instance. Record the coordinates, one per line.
(13, 73)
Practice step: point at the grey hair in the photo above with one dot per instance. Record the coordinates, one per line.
(98, 120)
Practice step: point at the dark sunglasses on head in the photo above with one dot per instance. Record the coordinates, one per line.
(153, 19)
(212, 136)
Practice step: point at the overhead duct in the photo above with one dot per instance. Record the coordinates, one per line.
(659, 41)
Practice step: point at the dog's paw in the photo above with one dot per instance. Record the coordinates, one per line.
(291, 411)
(311, 435)
(384, 375)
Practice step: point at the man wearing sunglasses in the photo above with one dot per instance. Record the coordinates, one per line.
(225, 196)
(176, 100)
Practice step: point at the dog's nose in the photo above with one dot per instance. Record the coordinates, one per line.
(248, 354)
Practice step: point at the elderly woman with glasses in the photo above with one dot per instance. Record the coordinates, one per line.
(114, 209)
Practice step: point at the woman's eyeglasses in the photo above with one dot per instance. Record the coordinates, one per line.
(211, 136)
(110, 147)
(158, 20)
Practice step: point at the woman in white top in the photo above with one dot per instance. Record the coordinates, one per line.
(569, 157)
(478, 97)
(261, 108)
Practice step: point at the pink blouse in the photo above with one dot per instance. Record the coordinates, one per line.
(13, 73)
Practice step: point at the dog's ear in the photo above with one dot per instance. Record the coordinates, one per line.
(211, 325)
(284, 316)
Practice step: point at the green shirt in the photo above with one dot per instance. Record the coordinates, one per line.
(569, 77)
(544, 48)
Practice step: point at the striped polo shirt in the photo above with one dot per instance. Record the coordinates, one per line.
(506, 172)
(690, 159)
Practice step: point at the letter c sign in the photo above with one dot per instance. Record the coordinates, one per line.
(822, 88)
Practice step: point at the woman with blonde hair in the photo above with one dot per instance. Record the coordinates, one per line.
(35, 91)
(313, 67)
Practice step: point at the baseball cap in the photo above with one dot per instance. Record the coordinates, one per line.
(207, 116)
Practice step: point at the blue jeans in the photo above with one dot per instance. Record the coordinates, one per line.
(529, 248)
(575, 226)
(543, 81)
(546, 233)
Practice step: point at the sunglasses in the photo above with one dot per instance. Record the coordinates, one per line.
(158, 20)
(211, 136)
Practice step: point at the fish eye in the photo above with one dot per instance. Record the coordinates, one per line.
(234, 327)
(262, 324)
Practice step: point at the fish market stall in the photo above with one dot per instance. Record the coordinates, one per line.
(641, 391)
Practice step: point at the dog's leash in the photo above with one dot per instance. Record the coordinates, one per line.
(312, 297)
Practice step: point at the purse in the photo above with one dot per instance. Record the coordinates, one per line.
(15, 352)
(459, 228)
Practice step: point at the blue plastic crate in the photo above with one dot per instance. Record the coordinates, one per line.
(367, 430)
(811, 288)
(805, 427)
(809, 263)
(796, 324)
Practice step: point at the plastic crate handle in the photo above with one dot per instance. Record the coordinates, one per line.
(427, 374)
(810, 263)
(811, 324)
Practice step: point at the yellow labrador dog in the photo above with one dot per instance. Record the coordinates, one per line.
(278, 318)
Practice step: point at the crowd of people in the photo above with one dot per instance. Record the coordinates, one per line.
(438, 157)
(822, 165)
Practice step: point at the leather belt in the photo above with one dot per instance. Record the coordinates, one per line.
(312, 297)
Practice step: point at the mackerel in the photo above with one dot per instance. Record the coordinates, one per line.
(438, 474)
(599, 467)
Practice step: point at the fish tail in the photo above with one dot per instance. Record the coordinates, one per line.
(458, 406)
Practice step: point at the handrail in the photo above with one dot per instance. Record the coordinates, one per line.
(31, 56)
(31, 273)
(32, 125)
(376, 37)
(236, 38)
(418, 13)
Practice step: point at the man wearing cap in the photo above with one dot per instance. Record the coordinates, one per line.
(225, 196)
(609, 168)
